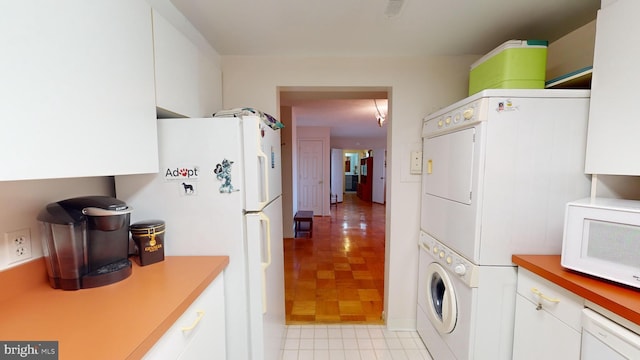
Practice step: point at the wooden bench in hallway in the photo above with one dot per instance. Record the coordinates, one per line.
(303, 221)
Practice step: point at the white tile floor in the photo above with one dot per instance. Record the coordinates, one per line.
(351, 342)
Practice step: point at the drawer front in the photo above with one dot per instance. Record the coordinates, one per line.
(539, 335)
(197, 318)
(209, 339)
(543, 294)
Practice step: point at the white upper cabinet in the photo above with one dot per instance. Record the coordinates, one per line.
(612, 141)
(188, 80)
(77, 89)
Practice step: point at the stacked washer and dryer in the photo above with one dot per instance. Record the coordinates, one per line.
(498, 169)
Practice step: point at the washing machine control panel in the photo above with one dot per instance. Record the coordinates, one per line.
(464, 269)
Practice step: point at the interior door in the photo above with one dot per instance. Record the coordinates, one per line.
(379, 174)
(337, 173)
(310, 176)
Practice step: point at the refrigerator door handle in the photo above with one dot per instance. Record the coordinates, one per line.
(265, 178)
(266, 264)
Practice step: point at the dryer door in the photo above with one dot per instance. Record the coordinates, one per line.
(449, 210)
(449, 165)
(442, 308)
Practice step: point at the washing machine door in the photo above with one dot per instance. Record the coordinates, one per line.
(442, 308)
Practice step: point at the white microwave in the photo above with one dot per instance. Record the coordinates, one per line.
(602, 238)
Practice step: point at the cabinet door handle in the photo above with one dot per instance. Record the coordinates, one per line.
(541, 297)
(195, 322)
(429, 166)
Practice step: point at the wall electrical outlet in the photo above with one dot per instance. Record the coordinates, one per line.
(18, 245)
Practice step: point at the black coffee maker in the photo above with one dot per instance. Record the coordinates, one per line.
(85, 241)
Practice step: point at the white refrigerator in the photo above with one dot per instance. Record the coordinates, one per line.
(219, 191)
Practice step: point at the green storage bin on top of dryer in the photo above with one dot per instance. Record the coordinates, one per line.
(516, 64)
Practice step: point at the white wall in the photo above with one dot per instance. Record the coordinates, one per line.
(20, 202)
(616, 186)
(358, 143)
(420, 85)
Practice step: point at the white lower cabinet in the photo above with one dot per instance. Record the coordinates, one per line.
(547, 321)
(199, 333)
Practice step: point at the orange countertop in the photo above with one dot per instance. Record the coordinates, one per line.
(118, 321)
(621, 300)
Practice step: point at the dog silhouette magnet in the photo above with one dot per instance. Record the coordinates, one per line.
(188, 188)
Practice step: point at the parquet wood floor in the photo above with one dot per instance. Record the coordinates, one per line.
(337, 276)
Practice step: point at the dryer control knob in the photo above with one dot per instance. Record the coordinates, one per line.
(468, 114)
(460, 269)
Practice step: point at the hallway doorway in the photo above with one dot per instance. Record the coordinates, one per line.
(326, 281)
(337, 276)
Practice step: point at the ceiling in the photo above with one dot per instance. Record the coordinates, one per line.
(349, 112)
(362, 28)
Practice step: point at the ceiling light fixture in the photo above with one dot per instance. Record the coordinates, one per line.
(379, 116)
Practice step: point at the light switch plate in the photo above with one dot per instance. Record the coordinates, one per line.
(416, 162)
